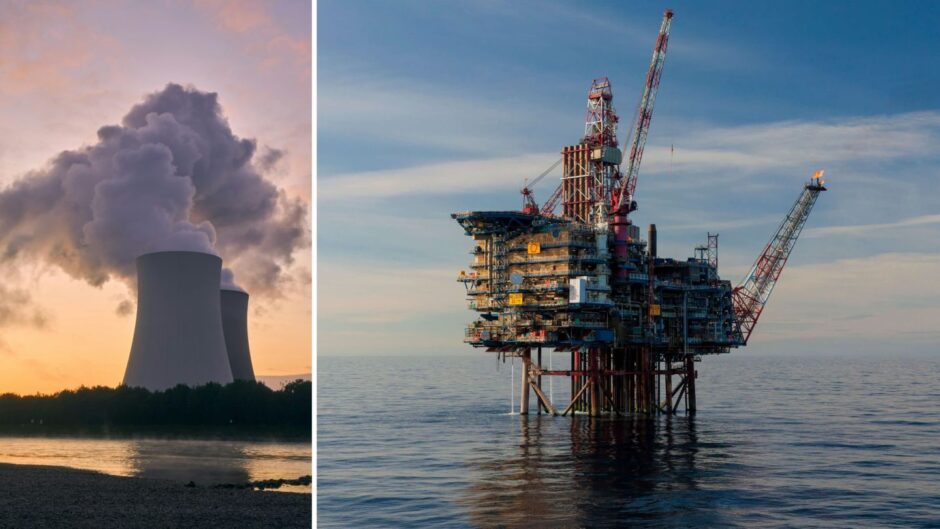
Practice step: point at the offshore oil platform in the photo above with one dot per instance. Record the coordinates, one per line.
(584, 282)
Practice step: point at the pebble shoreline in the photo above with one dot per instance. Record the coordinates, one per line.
(45, 496)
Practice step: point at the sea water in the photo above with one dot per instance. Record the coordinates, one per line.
(204, 462)
(777, 442)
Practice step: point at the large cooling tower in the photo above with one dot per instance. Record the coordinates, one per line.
(178, 338)
(235, 326)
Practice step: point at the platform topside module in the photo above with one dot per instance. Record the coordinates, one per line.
(584, 282)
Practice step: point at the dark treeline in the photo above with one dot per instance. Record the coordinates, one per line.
(238, 409)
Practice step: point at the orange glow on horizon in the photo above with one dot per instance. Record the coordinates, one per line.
(86, 343)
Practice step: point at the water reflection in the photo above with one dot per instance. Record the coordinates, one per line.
(200, 462)
(589, 472)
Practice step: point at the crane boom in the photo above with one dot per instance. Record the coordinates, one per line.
(544, 173)
(549, 207)
(644, 114)
(528, 202)
(751, 296)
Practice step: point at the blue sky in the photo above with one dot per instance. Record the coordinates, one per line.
(426, 108)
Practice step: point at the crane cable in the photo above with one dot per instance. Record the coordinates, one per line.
(544, 174)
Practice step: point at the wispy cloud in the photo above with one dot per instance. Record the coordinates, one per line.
(630, 33)
(725, 154)
(881, 297)
(251, 20)
(438, 178)
(377, 309)
(45, 47)
(798, 144)
(867, 229)
(718, 224)
(238, 16)
(18, 308)
(365, 294)
(399, 112)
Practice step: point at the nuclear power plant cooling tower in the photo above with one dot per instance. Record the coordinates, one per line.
(178, 338)
(235, 327)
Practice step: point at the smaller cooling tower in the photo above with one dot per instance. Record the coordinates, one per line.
(235, 326)
(178, 338)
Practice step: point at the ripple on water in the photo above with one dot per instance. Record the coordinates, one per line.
(776, 443)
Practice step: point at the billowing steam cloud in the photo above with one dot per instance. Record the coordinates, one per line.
(17, 308)
(171, 176)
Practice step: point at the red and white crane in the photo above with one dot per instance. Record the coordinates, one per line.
(528, 201)
(621, 191)
(624, 203)
(750, 297)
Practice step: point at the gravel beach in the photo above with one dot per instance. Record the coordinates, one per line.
(44, 496)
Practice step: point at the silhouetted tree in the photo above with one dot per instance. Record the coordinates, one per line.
(238, 408)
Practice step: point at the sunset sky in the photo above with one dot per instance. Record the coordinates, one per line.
(427, 108)
(69, 68)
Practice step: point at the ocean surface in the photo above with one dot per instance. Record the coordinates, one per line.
(203, 462)
(776, 442)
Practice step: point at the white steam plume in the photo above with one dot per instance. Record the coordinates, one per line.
(171, 176)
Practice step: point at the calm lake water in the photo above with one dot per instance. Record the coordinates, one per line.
(777, 442)
(204, 462)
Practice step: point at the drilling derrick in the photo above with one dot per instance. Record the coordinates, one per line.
(628, 324)
(589, 168)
